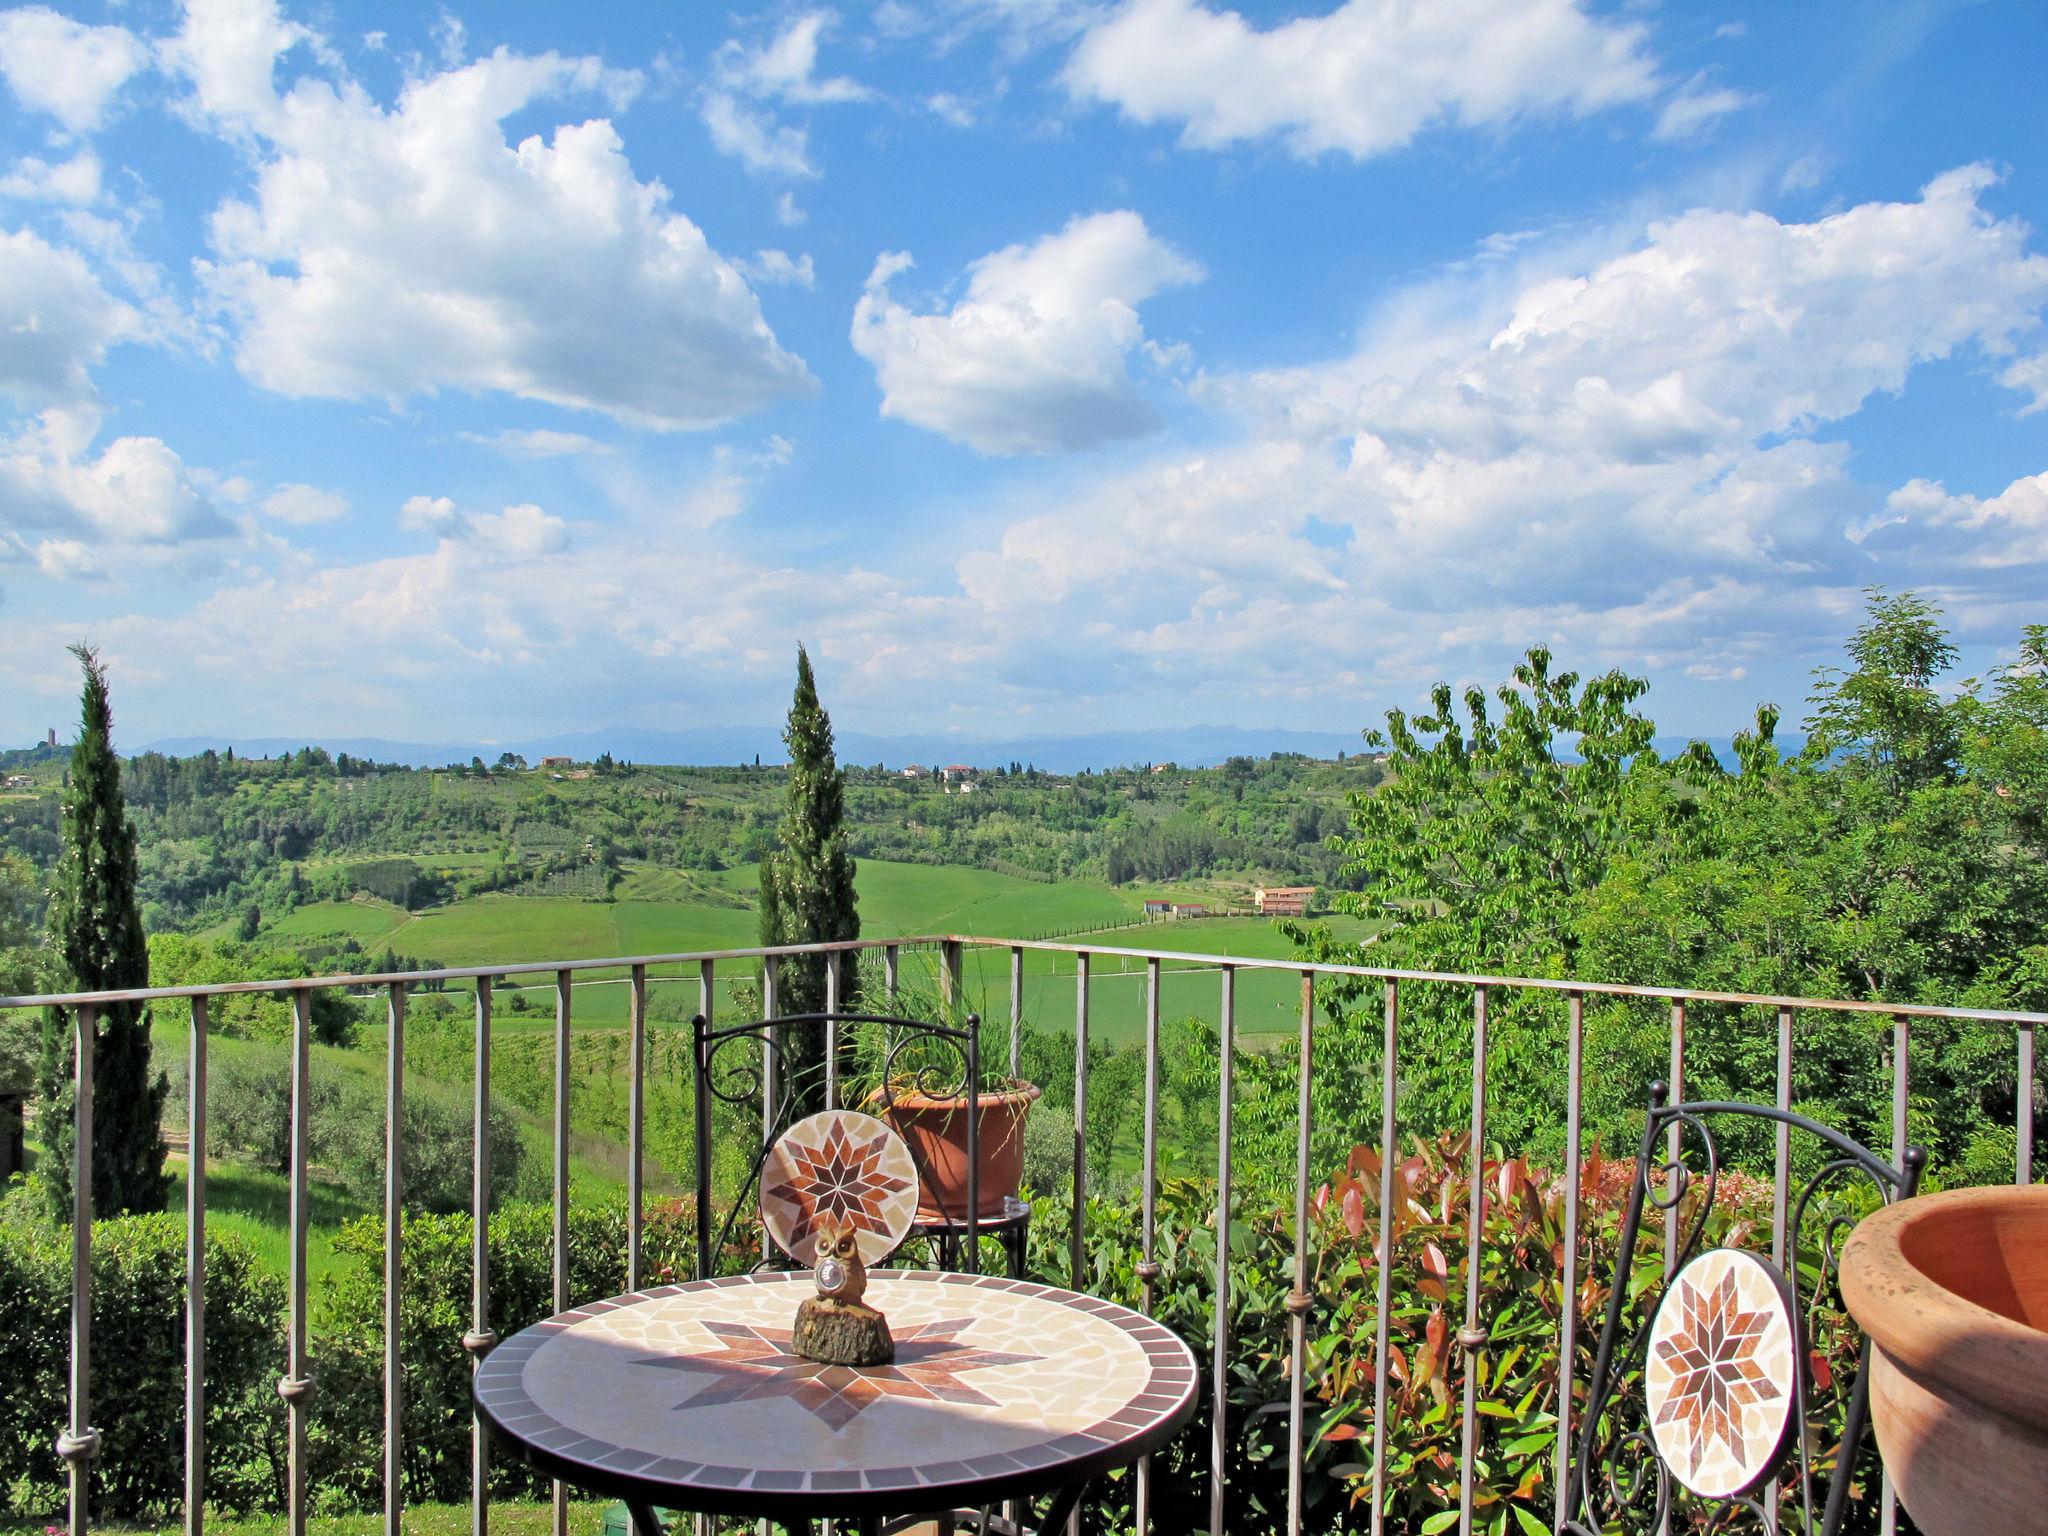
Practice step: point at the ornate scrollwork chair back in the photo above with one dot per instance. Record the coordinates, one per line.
(1701, 1402)
(812, 1147)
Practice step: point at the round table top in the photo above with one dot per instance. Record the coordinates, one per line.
(689, 1395)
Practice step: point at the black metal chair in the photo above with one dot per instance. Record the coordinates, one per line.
(1715, 1370)
(760, 1067)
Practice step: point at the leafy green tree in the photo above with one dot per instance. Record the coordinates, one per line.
(807, 894)
(96, 933)
(1472, 857)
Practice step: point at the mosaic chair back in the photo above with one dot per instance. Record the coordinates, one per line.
(1712, 1403)
(786, 1080)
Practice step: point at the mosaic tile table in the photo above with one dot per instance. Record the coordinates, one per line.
(688, 1397)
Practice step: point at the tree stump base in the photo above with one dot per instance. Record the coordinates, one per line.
(842, 1333)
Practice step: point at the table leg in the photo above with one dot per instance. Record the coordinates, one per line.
(1064, 1499)
(644, 1519)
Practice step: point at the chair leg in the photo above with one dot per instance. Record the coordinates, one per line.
(1054, 1520)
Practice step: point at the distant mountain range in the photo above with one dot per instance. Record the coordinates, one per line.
(1198, 746)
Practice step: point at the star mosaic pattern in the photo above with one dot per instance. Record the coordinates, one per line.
(759, 1362)
(845, 1163)
(1719, 1380)
(996, 1382)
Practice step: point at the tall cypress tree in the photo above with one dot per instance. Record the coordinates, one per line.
(96, 930)
(807, 879)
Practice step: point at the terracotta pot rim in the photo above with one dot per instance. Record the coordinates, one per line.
(1019, 1092)
(1933, 1332)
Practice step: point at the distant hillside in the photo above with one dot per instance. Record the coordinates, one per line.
(1201, 746)
(1198, 746)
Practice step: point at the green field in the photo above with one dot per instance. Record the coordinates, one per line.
(896, 899)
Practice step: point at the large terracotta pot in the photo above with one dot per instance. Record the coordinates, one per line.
(937, 1132)
(1953, 1291)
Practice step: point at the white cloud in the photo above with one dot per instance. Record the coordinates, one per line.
(305, 504)
(2009, 529)
(57, 321)
(521, 532)
(75, 181)
(774, 268)
(538, 443)
(2031, 375)
(1618, 458)
(64, 68)
(136, 491)
(787, 69)
(748, 83)
(430, 514)
(1362, 79)
(755, 139)
(1695, 108)
(1032, 359)
(385, 253)
(787, 213)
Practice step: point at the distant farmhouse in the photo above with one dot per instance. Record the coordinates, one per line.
(914, 771)
(954, 773)
(1282, 900)
(1160, 907)
(20, 781)
(558, 762)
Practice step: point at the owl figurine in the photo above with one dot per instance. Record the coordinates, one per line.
(836, 1326)
(842, 1274)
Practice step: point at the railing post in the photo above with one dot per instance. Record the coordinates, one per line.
(1148, 1266)
(2024, 1168)
(1672, 1140)
(636, 1123)
(559, 1258)
(1298, 1297)
(1075, 1231)
(770, 1037)
(394, 1233)
(832, 1030)
(479, 1339)
(80, 1442)
(1016, 1011)
(195, 1274)
(297, 1385)
(1219, 1369)
(1568, 1309)
(949, 972)
(1472, 1337)
(892, 961)
(1384, 1253)
(1902, 1054)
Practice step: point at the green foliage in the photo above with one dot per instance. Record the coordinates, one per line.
(348, 1355)
(176, 960)
(1900, 857)
(138, 1369)
(249, 1106)
(96, 933)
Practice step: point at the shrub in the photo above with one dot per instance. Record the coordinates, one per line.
(249, 1104)
(434, 1310)
(138, 1369)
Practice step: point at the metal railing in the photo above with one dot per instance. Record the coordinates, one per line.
(79, 1442)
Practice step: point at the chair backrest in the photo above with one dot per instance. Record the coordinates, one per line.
(790, 1069)
(1701, 1401)
(842, 1164)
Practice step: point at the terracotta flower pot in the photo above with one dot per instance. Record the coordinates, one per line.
(936, 1130)
(1953, 1291)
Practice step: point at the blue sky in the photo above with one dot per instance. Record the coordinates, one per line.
(1044, 365)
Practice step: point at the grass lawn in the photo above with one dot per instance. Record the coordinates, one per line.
(256, 1207)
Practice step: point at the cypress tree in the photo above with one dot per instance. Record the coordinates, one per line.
(807, 891)
(96, 931)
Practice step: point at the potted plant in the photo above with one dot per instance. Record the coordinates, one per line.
(917, 1082)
